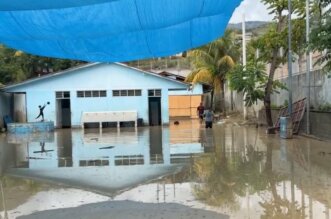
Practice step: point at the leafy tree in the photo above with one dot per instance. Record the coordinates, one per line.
(274, 40)
(9, 70)
(321, 33)
(16, 66)
(251, 80)
(212, 61)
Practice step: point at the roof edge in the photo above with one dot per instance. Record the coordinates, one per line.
(32, 80)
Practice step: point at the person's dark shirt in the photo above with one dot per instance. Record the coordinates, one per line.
(201, 109)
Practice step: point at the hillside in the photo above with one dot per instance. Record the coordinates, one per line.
(250, 25)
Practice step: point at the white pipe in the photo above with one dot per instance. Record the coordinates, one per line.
(244, 58)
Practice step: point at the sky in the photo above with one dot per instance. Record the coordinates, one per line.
(254, 10)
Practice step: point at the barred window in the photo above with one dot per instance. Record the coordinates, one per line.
(130, 92)
(154, 93)
(126, 93)
(103, 93)
(95, 93)
(89, 93)
(62, 95)
(80, 94)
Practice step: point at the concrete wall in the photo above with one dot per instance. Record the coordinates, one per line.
(320, 92)
(234, 102)
(98, 77)
(320, 122)
(4, 106)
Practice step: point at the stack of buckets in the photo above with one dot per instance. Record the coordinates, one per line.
(286, 129)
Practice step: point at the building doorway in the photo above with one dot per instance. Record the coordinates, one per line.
(154, 107)
(63, 110)
(18, 107)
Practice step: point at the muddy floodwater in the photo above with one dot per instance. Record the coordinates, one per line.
(180, 171)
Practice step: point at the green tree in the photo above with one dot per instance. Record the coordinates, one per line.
(17, 66)
(251, 80)
(275, 39)
(321, 33)
(9, 71)
(213, 61)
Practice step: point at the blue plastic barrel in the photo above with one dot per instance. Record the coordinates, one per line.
(286, 130)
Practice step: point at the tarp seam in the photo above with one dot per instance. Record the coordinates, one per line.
(140, 26)
(201, 10)
(202, 7)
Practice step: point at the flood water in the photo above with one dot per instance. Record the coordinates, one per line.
(180, 171)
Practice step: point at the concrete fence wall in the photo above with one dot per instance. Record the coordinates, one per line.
(320, 90)
(320, 93)
(320, 122)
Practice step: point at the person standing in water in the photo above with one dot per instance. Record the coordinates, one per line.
(209, 117)
(200, 111)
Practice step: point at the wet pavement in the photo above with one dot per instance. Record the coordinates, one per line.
(180, 171)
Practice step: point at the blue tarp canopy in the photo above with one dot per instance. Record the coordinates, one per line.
(111, 30)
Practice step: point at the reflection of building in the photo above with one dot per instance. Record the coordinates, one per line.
(107, 160)
(102, 87)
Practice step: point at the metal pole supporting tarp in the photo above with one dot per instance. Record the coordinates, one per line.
(244, 59)
(308, 55)
(289, 59)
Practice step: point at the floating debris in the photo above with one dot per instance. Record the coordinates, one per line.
(109, 147)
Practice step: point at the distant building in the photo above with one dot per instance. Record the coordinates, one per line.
(97, 87)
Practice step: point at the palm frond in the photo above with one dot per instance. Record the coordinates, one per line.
(190, 76)
(226, 62)
(204, 76)
(200, 57)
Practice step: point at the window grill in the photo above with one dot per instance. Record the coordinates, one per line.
(94, 93)
(80, 94)
(62, 95)
(126, 93)
(154, 93)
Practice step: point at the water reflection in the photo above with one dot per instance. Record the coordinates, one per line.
(106, 161)
(237, 171)
(250, 172)
(251, 176)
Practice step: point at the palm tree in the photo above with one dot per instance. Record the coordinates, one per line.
(213, 61)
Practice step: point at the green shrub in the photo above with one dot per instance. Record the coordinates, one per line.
(326, 107)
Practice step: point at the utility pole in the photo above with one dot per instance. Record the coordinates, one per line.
(244, 58)
(290, 59)
(308, 67)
